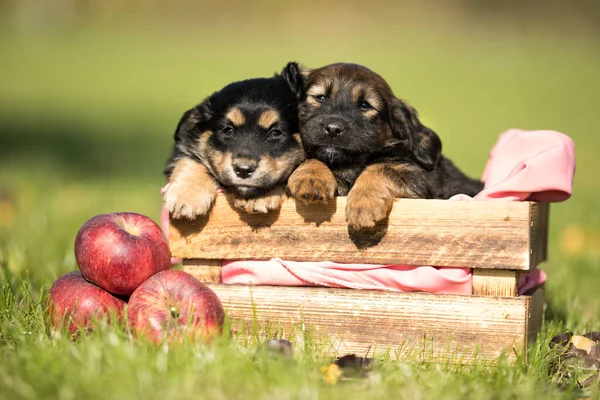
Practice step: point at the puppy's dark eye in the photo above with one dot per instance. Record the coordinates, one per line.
(275, 133)
(227, 131)
(320, 98)
(364, 106)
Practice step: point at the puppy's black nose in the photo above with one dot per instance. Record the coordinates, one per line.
(334, 129)
(244, 170)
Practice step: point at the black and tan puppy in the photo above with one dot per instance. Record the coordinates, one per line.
(363, 142)
(243, 139)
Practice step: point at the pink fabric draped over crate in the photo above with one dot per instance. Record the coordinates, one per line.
(523, 166)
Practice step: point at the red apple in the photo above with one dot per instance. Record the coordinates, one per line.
(76, 302)
(120, 251)
(172, 305)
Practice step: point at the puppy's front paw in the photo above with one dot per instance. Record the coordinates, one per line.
(365, 209)
(312, 183)
(263, 204)
(185, 201)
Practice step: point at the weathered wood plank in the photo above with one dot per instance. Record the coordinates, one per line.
(536, 314)
(353, 321)
(495, 282)
(475, 234)
(206, 271)
(540, 212)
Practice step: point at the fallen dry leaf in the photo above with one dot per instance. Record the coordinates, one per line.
(353, 365)
(277, 348)
(582, 343)
(331, 373)
(578, 356)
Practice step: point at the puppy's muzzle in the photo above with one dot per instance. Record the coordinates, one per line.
(333, 127)
(244, 168)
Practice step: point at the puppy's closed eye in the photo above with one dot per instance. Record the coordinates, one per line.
(365, 106)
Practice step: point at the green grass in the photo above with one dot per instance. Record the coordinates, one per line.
(86, 122)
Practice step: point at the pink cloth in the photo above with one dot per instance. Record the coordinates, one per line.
(523, 165)
(529, 165)
(398, 278)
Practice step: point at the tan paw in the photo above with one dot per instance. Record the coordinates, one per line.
(365, 209)
(185, 201)
(312, 183)
(262, 204)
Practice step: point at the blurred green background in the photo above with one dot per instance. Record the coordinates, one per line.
(91, 91)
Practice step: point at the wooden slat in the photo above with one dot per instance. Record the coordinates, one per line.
(536, 314)
(206, 271)
(475, 234)
(346, 321)
(539, 236)
(495, 282)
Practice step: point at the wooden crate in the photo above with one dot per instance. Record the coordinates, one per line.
(499, 240)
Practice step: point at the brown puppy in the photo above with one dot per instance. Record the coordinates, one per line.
(363, 142)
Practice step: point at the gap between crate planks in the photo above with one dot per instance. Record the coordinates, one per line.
(497, 239)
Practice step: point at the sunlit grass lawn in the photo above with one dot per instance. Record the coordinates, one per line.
(86, 122)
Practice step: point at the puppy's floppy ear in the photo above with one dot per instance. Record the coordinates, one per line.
(190, 119)
(295, 75)
(186, 132)
(424, 143)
